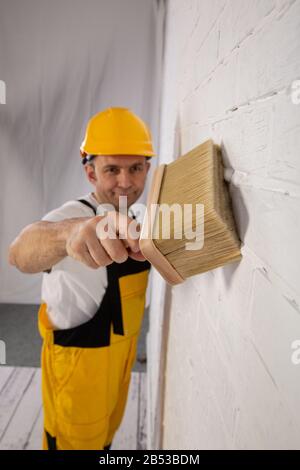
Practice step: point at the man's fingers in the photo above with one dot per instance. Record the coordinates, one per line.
(137, 256)
(115, 249)
(98, 253)
(119, 226)
(86, 258)
(129, 230)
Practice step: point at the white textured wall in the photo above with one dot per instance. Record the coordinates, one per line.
(230, 382)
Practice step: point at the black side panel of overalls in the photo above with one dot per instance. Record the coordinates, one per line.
(51, 441)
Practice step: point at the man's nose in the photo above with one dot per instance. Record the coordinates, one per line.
(124, 179)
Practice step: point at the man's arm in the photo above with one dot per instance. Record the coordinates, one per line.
(42, 244)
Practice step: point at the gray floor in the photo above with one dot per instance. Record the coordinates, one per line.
(19, 331)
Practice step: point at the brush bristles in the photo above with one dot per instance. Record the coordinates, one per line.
(197, 178)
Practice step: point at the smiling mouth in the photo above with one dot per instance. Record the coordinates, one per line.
(123, 194)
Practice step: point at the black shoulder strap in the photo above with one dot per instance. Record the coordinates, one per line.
(88, 204)
(132, 215)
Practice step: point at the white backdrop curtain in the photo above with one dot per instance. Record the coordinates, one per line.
(62, 61)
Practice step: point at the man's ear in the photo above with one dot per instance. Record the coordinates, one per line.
(148, 164)
(90, 172)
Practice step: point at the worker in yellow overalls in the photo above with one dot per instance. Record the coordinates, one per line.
(93, 300)
(86, 369)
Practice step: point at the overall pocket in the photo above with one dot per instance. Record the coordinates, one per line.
(133, 295)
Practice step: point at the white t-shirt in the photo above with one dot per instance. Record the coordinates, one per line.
(72, 290)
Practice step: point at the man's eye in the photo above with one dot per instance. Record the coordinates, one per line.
(136, 168)
(112, 170)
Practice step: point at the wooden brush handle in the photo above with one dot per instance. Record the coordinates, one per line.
(147, 246)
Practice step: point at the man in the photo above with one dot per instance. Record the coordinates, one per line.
(93, 292)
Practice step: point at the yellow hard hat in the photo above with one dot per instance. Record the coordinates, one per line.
(116, 131)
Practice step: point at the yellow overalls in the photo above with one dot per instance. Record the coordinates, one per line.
(86, 369)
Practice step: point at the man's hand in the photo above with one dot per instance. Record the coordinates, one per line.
(101, 240)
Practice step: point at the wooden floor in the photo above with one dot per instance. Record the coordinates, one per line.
(21, 417)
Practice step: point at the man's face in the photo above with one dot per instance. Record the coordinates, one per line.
(118, 175)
